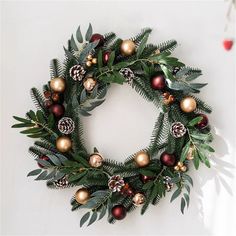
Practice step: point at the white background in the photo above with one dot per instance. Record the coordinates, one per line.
(33, 33)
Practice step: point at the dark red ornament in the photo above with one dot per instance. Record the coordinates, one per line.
(106, 56)
(203, 123)
(97, 37)
(47, 94)
(48, 104)
(119, 212)
(145, 178)
(158, 82)
(127, 190)
(57, 110)
(45, 158)
(168, 159)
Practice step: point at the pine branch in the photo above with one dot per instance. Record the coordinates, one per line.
(56, 69)
(138, 38)
(167, 46)
(38, 100)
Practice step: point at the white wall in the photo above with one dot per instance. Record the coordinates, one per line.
(34, 33)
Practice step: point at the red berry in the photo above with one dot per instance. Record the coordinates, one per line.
(45, 158)
(106, 56)
(228, 43)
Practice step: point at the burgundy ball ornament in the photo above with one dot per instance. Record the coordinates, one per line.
(203, 123)
(97, 37)
(168, 159)
(106, 56)
(145, 178)
(158, 82)
(119, 212)
(45, 158)
(57, 110)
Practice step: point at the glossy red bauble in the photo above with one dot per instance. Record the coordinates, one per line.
(158, 82)
(119, 212)
(203, 123)
(145, 178)
(45, 158)
(57, 110)
(168, 159)
(97, 37)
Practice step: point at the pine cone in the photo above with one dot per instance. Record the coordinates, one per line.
(66, 125)
(178, 130)
(62, 183)
(128, 74)
(167, 181)
(116, 183)
(77, 72)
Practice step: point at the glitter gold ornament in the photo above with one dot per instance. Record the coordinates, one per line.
(188, 104)
(63, 144)
(89, 83)
(58, 85)
(142, 159)
(127, 47)
(138, 199)
(82, 196)
(95, 160)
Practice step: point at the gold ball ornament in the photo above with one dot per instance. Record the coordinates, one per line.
(142, 159)
(89, 84)
(138, 199)
(188, 104)
(127, 47)
(95, 160)
(63, 144)
(58, 85)
(82, 196)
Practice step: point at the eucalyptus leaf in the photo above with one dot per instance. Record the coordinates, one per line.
(93, 218)
(103, 212)
(79, 36)
(186, 196)
(89, 32)
(175, 194)
(73, 43)
(42, 175)
(34, 172)
(182, 205)
(84, 218)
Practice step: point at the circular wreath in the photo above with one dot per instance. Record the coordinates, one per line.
(181, 135)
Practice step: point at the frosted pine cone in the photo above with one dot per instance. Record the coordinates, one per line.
(66, 125)
(77, 72)
(168, 184)
(116, 183)
(178, 130)
(128, 74)
(62, 183)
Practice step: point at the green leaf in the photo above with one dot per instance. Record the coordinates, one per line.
(187, 188)
(40, 117)
(175, 194)
(43, 162)
(184, 152)
(42, 175)
(21, 119)
(73, 43)
(195, 121)
(31, 131)
(146, 172)
(34, 172)
(54, 159)
(76, 177)
(51, 120)
(23, 125)
(81, 160)
(197, 85)
(103, 212)
(193, 76)
(196, 160)
(142, 45)
(147, 185)
(59, 175)
(84, 218)
(186, 196)
(182, 205)
(100, 59)
(89, 32)
(93, 218)
(203, 157)
(207, 147)
(111, 60)
(188, 178)
(79, 35)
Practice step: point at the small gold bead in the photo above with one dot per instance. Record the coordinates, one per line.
(94, 60)
(88, 63)
(183, 168)
(89, 57)
(176, 168)
(180, 164)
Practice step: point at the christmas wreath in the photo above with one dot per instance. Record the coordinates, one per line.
(180, 138)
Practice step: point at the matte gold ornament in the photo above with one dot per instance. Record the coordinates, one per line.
(82, 196)
(127, 47)
(94, 60)
(183, 168)
(63, 144)
(142, 159)
(89, 84)
(58, 85)
(138, 199)
(89, 57)
(180, 167)
(88, 63)
(188, 104)
(95, 160)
